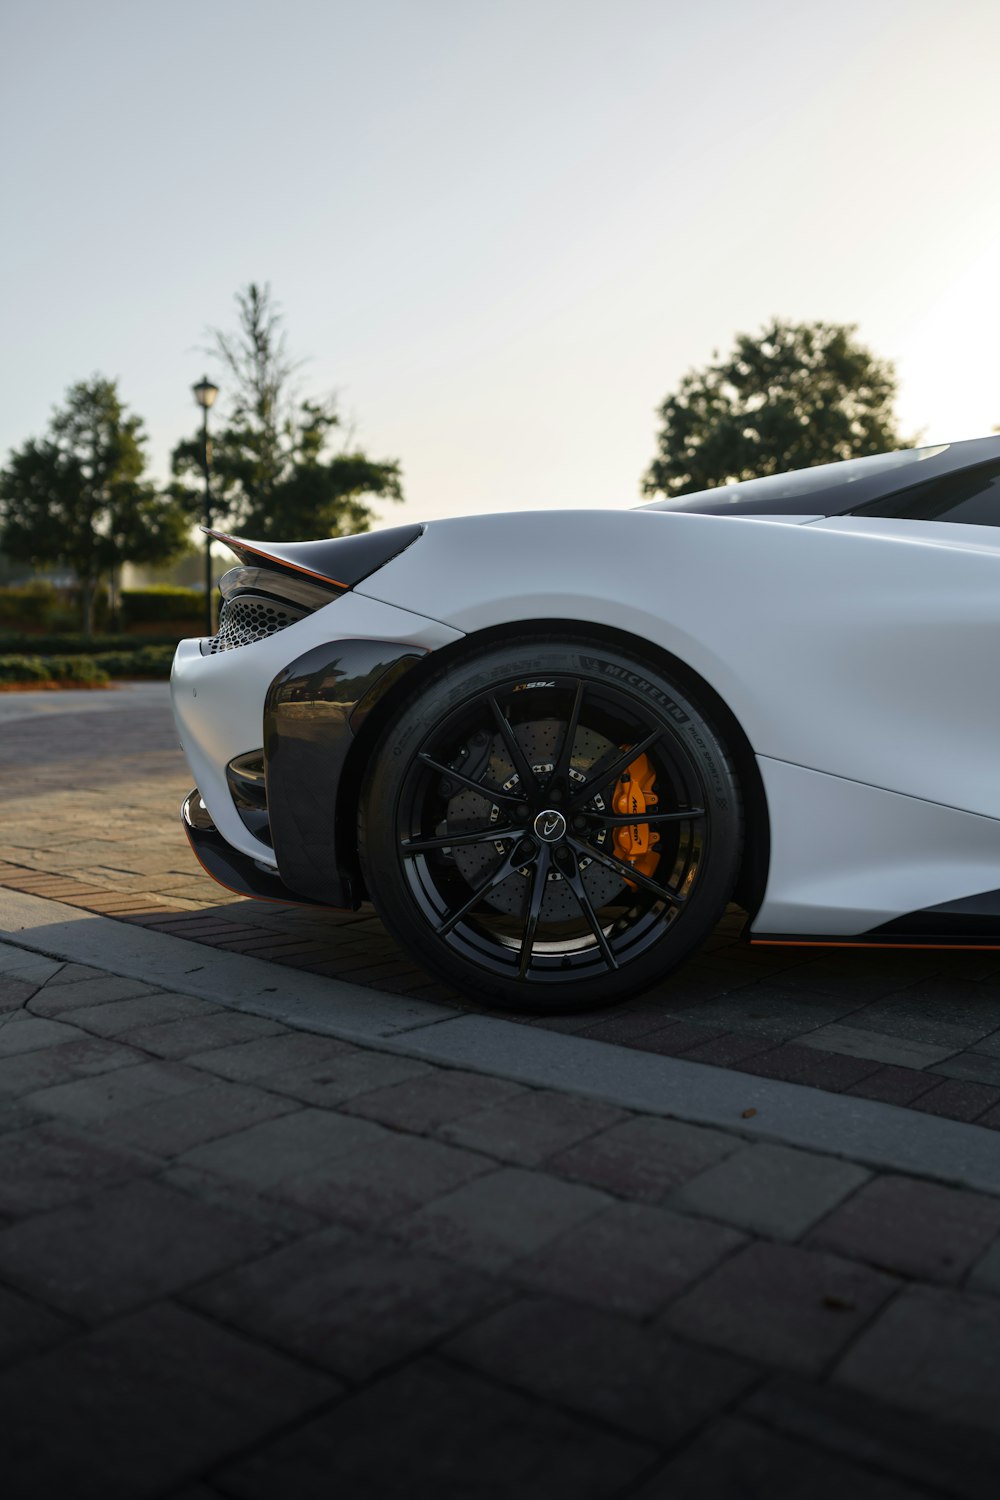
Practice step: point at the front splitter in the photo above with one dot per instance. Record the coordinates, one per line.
(230, 868)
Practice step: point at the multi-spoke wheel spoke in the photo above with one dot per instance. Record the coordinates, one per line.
(628, 872)
(412, 847)
(518, 758)
(514, 860)
(560, 771)
(536, 896)
(505, 799)
(570, 870)
(625, 820)
(602, 774)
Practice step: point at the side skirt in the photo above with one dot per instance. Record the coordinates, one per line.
(972, 922)
(866, 941)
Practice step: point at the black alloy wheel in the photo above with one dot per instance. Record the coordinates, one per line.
(550, 825)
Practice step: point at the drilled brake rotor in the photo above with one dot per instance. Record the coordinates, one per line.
(540, 740)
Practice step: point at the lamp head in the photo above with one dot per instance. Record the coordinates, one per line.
(205, 392)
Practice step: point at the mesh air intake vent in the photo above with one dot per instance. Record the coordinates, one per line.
(252, 617)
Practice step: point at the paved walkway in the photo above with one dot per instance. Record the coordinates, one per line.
(314, 1226)
(90, 787)
(240, 1259)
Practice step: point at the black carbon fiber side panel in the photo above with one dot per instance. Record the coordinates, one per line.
(313, 710)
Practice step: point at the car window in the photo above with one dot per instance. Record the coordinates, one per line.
(970, 496)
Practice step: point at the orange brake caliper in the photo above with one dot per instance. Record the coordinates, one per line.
(633, 796)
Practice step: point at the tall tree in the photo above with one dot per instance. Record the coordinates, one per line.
(78, 496)
(273, 475)
(794, 395)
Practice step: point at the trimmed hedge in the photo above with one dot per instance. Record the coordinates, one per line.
(160, 604)
(29, 604)
(41, 607)
(66, 669)
(17, 643)
(148, 661)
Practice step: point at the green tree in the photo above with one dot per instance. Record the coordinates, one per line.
(273, 476)
(78, 496)
(796, 395)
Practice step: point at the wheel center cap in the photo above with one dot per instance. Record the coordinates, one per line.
(550, 826)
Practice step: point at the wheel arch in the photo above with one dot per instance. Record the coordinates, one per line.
(755, 861)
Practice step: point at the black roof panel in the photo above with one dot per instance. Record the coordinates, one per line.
(833, 489)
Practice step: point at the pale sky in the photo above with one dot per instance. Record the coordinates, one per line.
(502, 230)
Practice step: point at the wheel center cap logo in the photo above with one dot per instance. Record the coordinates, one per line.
(550, 826)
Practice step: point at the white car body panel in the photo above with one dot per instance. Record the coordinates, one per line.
(827, 645)
(863, 650)
(936, 534)
(847, 857)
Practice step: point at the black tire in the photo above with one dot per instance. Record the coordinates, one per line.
(611, 900)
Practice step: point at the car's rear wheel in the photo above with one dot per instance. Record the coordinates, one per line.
(550, 824)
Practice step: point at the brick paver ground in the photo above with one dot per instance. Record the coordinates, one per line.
(90, 803)
(242, 1261)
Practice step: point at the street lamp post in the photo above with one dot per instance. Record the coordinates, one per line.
(205, 393)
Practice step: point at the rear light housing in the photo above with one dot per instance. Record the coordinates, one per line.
(258, 602)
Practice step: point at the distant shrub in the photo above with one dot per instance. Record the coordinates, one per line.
(40, 606)
(64, 617)
(160, 604)
(147, 661)
(82, 670)
(22, 669)
(16, 643)
(27, 605)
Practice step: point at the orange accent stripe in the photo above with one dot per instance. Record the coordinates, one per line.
(274, 900)
(234, 541)
(848, 943)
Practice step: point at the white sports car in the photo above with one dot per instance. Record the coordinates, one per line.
(550, 746)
